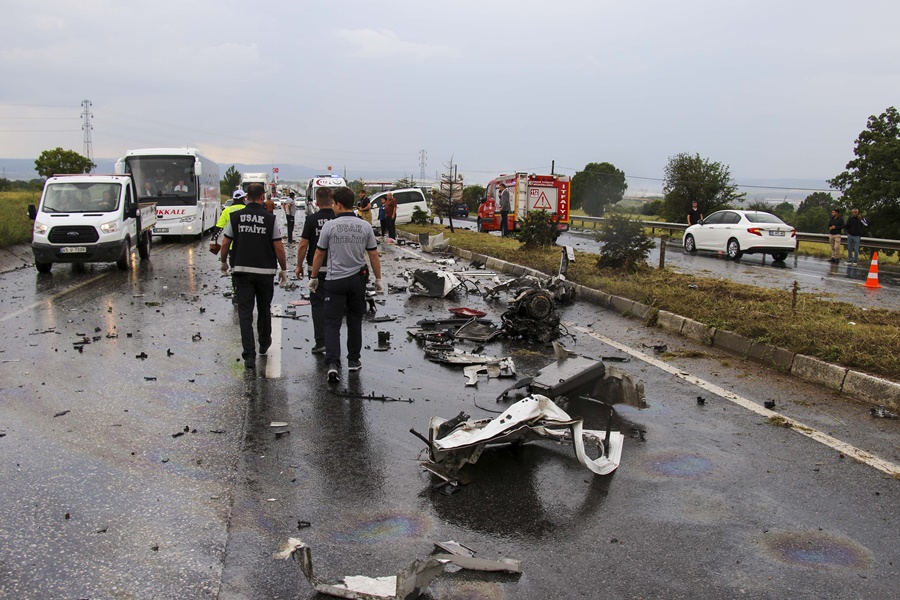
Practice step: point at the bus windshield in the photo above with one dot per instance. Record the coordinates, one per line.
(168, 181)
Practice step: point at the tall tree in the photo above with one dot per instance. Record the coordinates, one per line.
(689, 178)
(473, 195)
(63, 162)
(231, 181)
(816, 200)
(871, 181)
(597, 186)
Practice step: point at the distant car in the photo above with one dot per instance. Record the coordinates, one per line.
(300, 203)
(460, 210)
(739, 232)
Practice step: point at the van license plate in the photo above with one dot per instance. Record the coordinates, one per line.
(73, 250)
(778, 233)
(160, 230)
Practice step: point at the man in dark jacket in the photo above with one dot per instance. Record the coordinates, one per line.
(504, 207)
(855, 228)
(256, 253)
(835, 226)
(309, 239)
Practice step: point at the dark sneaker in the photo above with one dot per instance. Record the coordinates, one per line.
(333, 374)
(320, 349)
(354, 365)
(264, 348)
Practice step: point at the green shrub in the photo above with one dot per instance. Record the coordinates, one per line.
(625, 244)
(538, 230)
(419, 217)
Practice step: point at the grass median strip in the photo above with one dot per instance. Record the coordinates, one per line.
(836, 332)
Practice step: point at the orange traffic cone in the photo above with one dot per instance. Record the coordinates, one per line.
(872, 279)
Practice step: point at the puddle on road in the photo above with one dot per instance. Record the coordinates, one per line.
(816, 549)
(385, 528)
(680, 465)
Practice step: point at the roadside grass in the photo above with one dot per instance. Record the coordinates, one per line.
(15, 226)
(836, 332)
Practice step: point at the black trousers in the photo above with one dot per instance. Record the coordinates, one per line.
(504, 223)
(251, 289)
(317, 306)
(290, 227)
(344, 298)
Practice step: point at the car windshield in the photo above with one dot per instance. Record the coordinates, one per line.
(762, 217)
(81, 197)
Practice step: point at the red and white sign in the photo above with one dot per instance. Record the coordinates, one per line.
(542, 203)
(274, 169)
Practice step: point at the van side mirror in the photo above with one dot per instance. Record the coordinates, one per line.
(131, 212)
(32, 212)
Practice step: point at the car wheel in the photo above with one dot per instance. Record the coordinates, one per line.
(124, 262)
(144, 245)
(43, 267)
(689, 244)
(734, 249)
(779, 256)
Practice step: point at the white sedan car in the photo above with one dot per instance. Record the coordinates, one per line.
(739, 232)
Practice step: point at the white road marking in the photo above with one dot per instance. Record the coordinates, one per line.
(823, 438)
(273, 356)
(49, 300)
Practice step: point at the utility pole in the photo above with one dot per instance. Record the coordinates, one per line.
(86, 127)
(422, 162)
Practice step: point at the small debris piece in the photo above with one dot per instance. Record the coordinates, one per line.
(770, 404)
(196, 337)
(882, 413)
(141, 356)
(701, 400)
(61, 413)
(149, 378)
(303, 524)
(178, 434)
(155, 547)
(660, 348)
(169, 352)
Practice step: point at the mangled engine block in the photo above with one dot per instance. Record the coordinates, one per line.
(532, 315)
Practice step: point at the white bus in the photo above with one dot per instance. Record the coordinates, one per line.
(183, 183)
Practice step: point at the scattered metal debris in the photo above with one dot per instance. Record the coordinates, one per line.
(435, 284)
(141, 356)
(770, 404)
(61, 413)
(701, 400)
(370, 396)
(407, 584)
(882, 413)
(434, 243)
(535, 417)
(502, 368)
(467, 312)
(659, 348)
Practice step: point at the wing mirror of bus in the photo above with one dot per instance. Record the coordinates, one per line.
(198, 169)
(32, 212)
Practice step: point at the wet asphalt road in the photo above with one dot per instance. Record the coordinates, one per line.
(716, 502)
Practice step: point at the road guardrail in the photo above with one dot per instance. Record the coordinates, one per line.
(866, 242)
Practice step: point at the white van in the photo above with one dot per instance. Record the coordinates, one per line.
(329, 181)
(407, 201)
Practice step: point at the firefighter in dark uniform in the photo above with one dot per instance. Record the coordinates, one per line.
(256, 252)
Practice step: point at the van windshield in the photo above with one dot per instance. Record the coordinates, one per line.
(81, 197)
(168, 181)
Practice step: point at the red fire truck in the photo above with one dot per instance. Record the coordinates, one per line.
(526, 193)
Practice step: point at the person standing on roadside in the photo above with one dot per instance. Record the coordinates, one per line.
(835, 225)
(694, 215)
(306, 249)
(345, 240)
(390, 217)
(256, 254)
(290, 208)
(365, 207)
(855, 228)
(504, 207)
(270, 204)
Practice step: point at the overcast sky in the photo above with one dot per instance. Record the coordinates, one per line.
(773, 89)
